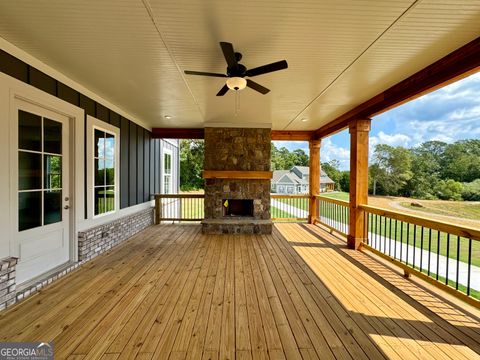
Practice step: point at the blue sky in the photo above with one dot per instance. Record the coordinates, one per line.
(449, 114)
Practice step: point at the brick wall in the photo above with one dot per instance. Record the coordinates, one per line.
(7, 282)
(95, 241)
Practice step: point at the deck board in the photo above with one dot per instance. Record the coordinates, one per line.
(172, 293)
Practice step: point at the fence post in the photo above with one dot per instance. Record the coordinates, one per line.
(157, 209)
(314, 178)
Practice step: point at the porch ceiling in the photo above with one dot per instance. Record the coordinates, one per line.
(340, 53)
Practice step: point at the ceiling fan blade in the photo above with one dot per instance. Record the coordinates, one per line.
(279, 65)
(255, 86)
(223, 90)
(229, 54)
(201, 73)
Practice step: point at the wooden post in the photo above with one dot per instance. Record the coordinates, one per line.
(359, 132)
(157, 209)
(314, 178)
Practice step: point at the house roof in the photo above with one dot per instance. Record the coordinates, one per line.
(279, 174)
(133, 54)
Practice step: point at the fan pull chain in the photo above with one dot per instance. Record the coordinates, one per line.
(237, 102)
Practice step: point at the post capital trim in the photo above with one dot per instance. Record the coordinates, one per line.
(315, 143)
(360, 125)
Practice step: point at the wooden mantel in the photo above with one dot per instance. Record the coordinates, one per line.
(230, 174)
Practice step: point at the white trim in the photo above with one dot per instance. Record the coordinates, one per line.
(166, 151)
(29, 59)
(92, 124)
(108, 218)
(12, 89)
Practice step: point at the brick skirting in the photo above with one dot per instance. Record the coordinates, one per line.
(7, 282)
(91, 243)
(99, 239)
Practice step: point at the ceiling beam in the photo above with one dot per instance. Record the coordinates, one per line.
(455, 66)
(170, 133)
(292, 135)
(199, 133)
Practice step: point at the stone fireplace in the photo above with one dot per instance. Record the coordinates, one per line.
(237, 181)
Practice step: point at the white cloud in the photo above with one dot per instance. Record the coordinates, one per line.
(329, 151)
(392, 140)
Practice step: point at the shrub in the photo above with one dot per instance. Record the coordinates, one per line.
(448, 190)
(471, 191)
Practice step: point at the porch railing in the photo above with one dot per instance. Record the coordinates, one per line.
(289, 207)
(439, 252)
(179, 207)
(333, 214)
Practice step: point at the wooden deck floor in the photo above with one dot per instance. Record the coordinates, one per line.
(171, 292)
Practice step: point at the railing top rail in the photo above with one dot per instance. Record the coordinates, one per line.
(179, 196)
(446, 227)
(334, 201)
(278, 196)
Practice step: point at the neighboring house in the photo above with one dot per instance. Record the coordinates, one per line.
(296, 181)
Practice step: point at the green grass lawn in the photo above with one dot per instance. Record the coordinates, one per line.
(192, 208)
(461, 209)
(339, 195)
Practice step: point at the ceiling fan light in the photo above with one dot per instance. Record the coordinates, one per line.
(236, 83)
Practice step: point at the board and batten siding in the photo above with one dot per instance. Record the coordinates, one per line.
(140, 155)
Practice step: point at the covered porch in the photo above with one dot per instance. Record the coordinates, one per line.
(299, 293)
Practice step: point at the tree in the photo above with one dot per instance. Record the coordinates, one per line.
(375, 173)
(396, 164)
(344, 181)
(283, 159)
(461, 161)
(191, 164)
(332, 171)
(448, 190)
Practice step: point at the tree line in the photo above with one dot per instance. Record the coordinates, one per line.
(432, 170)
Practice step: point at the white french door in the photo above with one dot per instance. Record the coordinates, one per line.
(41, 192)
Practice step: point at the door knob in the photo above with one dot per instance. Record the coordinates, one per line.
(66, 207)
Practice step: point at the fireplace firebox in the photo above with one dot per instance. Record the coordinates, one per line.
(237, 208)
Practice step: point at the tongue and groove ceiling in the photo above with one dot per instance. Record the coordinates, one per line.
(340, 53)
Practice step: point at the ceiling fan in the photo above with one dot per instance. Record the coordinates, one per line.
(237, 72)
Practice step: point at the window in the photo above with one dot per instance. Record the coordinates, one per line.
(167, 171)
(39, 171)
(104, 171)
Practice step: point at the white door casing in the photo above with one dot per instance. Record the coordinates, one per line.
(44, 245)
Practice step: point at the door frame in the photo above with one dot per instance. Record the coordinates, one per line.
(11, 90)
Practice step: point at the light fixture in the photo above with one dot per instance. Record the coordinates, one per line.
(304, 119)
(236, 83)
(168, 117)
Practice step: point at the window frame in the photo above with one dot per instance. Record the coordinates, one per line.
(92, 125)
(167, 151)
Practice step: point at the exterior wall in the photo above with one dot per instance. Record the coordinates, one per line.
(139, 170)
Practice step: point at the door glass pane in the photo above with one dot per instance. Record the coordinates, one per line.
(29, 210)
(109, 146)
(109, 172)
(29, 131)
(52, 136)
(99, 172)
(99, 200)
(52, 207)
(110, 199)
(52, 172)
(29, 171)
(99, 143)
